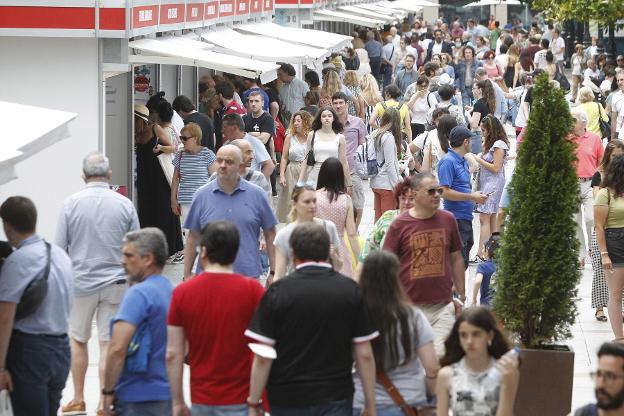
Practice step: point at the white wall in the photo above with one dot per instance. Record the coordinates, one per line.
(169, 81)
(118, 129)
(61, 74)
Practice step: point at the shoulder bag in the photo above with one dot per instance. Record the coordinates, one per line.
(310, 161)
(398, 399)
(36, 291)
(562, 80)
(166, 163)
(605, 126)
(137, 356)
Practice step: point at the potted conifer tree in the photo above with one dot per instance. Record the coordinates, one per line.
(537, 275)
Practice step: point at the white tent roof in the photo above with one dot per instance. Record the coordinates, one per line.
(493, 3)
(336, 16)
(310, 37)
(398, 13)
(263, 48)
(367, 13)
(21, 143)
(184, 51)
(409, 5)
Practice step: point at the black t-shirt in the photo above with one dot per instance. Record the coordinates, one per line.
(262, 124)
(528, 97)
(206, 126)
(312, 317)
(481, 107)
(596, 179)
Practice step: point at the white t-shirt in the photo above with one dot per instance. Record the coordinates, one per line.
(540, 59)
(617, 106)
(557, 46)
(502, 61)
(418, 110)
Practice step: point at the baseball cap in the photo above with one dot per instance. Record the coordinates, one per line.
(141, 111)
(458, 135)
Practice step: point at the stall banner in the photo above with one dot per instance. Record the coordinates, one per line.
(194, 12)
(242, 7)
(171, 14)
(144, 16)
(256, 6)
(211, 10)
(226, 8)
(268, 6)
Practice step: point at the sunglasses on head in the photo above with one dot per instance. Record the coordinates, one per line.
(432, 191)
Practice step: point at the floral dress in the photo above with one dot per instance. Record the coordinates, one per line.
(492, 182)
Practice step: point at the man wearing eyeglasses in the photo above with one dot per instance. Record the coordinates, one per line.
(427, 241)
(609, 379)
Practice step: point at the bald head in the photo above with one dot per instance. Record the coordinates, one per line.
(245, 147)
(231, 151)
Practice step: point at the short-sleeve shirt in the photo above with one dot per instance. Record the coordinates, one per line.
(292, 95)
(408, 378)
(355, 134)
(247, 208)
(453, 172)
(589, 153)
(615, 218)
(193, 168)
(487, 269)
(482, 108)
(21, 267)
(262, 124)
(206, 126)
(283, 236)
(403, 111)
(617, 106)
(312, 317)
(260, 153)
(424, 248)
(147, 303)
(234, 108)
(215, 309)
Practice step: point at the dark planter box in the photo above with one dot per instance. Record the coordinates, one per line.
(546, 377)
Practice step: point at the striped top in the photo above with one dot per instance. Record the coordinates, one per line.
(193, 170)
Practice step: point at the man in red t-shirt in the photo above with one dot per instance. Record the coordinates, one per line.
(211, 312)
(427, 241)
(225, 91)
(589, 153)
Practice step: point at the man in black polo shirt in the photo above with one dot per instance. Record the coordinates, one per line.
(185, 109)
(318, 322)
(261, 125)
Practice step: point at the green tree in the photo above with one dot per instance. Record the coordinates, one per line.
(604, 12)
(537, 263)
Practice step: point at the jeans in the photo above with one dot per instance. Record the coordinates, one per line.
(465, 231)
(39, 366)
(375, 64)
(152, 408)
(467, 96)
(387, 75)
(475, 142)
(228, 410)
(337, 408)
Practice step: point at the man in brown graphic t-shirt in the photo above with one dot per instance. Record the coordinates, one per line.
(427, 241)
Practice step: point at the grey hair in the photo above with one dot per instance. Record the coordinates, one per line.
(95, 165)
(580, 114)
(416, 180)
(150, 240)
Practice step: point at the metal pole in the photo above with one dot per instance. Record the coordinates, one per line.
(611, 45)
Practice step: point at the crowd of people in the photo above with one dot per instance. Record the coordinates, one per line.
(259, 192)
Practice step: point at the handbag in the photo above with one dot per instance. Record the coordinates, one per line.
(5, 404)
(398, 399)
(137, 357)
(166, 164)
(35, 292)
(310, 161)
(562, 80)
(605, 126)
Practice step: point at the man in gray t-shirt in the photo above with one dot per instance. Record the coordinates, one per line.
(293, 91)
(90, 229)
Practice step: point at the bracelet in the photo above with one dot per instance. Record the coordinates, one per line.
(108, 392)
(253, 405)
(602, 253)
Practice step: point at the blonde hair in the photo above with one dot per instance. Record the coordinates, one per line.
(331, 84)
(351, 78)
(306, 123)
(370, 89)
(194, 131)
(294, 197)
(585, 95)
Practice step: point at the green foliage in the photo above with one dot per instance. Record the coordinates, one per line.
(537, 271)
(604, 12)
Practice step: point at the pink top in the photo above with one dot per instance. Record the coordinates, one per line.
(589, 153)
(492, 71)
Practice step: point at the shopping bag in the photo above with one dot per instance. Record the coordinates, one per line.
(5, 404)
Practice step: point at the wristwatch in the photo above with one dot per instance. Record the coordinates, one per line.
(108, 392)
(255, 405)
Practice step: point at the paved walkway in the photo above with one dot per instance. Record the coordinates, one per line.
(587, 334)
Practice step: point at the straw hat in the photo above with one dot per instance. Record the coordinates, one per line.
(141, 111)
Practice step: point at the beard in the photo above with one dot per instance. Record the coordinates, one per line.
(611, 402)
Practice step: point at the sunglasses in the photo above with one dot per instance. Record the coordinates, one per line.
(433, 191)
(185, 138)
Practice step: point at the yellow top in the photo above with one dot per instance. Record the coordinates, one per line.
(615, 218)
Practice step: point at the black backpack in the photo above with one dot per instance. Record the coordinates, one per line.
(35, 292)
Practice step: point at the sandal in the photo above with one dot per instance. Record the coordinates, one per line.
(600, 315)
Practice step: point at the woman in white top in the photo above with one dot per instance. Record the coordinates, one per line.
(303, 210)
(293, 158)
(324, 141)
(371, 96)
(579, 62)
(365, 67)
(387, 141)
(419, 105)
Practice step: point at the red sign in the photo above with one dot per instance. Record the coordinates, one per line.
(144, 16)
(226, 8)
(47, 17)
(171, 13)
(242, 7)
(211, 10)
(194, 12)
(267, 5)
(112, 19)
(256, 6)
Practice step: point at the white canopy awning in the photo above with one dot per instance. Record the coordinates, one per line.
(50, 126)
(336, 16)
(310, 37)
(183, 51)
(409, 5)
(367, 13)
(374, 7)
(263, 48)
(493, 3)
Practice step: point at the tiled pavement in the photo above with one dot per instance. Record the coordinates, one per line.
(587, 333)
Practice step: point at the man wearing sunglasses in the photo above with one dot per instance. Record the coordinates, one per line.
(455, 179)
(427, 241)
(609, 379)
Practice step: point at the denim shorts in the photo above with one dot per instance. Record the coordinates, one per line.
(615, 245)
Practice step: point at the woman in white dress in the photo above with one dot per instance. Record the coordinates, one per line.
(324, 141)
(365, 67)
